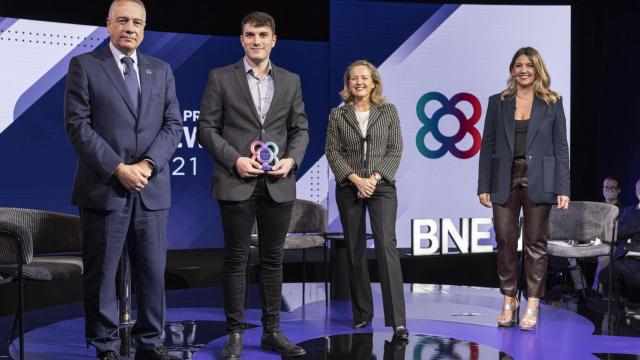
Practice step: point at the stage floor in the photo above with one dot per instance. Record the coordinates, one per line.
(445, 322)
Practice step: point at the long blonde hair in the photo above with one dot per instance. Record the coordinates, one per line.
(540, 85)
(375, 96)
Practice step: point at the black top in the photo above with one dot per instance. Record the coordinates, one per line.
(521, 138)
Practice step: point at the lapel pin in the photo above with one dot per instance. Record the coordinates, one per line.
(148, 71)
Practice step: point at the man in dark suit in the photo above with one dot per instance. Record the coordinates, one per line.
(122, 117)
(626, 263)
(254, 100)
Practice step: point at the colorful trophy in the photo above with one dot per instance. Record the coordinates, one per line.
(264, 153)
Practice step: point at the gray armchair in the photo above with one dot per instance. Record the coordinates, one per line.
(37, 245)
(586, 229)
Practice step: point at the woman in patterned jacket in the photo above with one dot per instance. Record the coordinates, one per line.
(363, 148)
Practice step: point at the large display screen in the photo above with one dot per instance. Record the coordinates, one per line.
(439, 65)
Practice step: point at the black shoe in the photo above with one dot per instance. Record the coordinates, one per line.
(233, 346)
(159, 353)
(395, 349)
(400, 333)
(361, 324)
(109, 355)
(276, 341)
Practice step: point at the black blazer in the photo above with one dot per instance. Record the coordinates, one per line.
(546, 151)
(345, 143)
(229, 123)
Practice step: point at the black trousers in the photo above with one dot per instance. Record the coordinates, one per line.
(627, 274)
(536, 228)
(382, 206)
(360, 346)
(237, 221)
(104, 234)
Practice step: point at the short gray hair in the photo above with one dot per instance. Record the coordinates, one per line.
(139, 2)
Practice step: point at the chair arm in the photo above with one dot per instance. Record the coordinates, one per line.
(51, 232)
(16, 244)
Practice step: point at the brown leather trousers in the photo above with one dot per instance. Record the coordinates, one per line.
(536, 228)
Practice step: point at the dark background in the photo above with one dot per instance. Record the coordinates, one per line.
(604, 80)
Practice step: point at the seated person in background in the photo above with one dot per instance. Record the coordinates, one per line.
(611, 189)
(626, 260)
(610, 192)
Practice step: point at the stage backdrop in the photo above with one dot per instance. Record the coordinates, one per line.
(440, 64)
(37, 160)
(431, 57)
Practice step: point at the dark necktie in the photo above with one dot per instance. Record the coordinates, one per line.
(131, 79)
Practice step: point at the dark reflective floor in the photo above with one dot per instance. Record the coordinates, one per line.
(365, 346)
(182, 338)
(62, 325)
(625, 315)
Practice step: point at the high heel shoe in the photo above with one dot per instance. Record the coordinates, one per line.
(510, 308)
(530, 318)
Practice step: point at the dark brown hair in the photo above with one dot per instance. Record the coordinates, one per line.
(257, 19)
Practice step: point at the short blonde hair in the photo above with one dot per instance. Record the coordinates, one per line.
(375, 96)
(541, 86)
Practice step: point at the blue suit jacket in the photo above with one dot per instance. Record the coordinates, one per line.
(546, 151)
(628, 229)
(105, 131)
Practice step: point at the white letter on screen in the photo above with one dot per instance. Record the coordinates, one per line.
(476, 235)
(448, 230)
(417, 236)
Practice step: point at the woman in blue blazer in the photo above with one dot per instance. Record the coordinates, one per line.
(524, 164)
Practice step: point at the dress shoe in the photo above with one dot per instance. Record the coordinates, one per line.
(233, 346)
(361, 324)
(400, 333)
(159, 353)
(109, 355)
(394, 349)
(276, 341)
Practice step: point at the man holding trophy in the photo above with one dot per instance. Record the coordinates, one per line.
(252, 121)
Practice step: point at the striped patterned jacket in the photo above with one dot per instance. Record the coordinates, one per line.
(345, 143)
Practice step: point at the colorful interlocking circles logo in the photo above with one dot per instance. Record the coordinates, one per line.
(264, 153)
(448, 107)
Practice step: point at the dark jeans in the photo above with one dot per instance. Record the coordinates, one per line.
(536, 228)
(104, 234)
(237, 221)
(382, 206)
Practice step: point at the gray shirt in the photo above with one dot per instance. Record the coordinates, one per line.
(261, 89)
